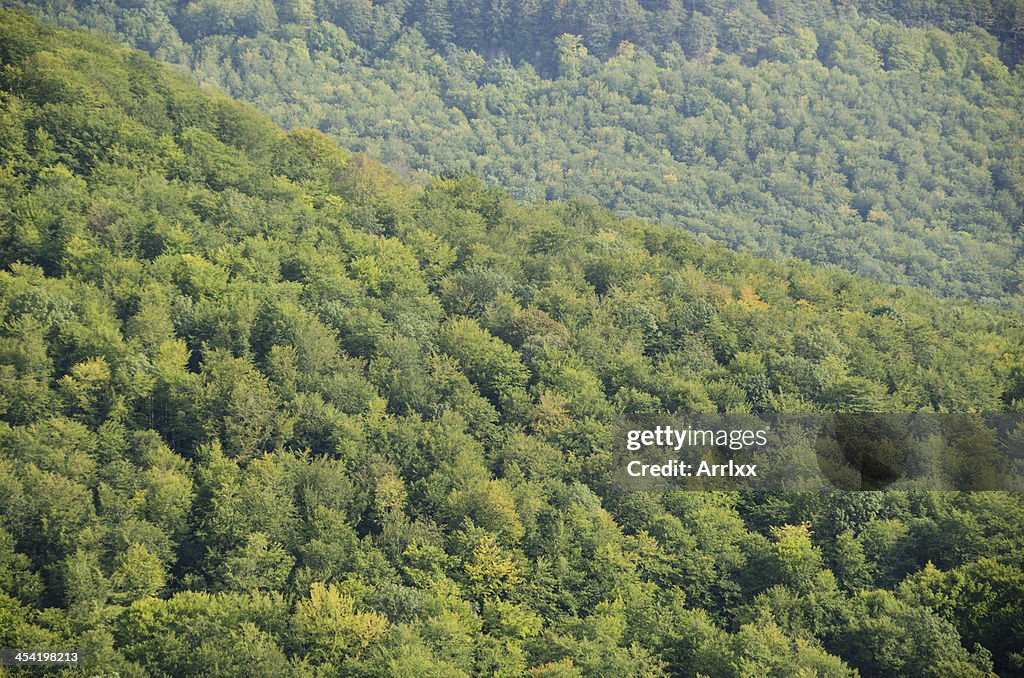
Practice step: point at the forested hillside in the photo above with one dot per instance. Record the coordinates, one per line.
(265, 409)
(529, 30)
(833, 134)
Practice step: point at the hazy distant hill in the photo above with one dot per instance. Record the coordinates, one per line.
(777, 128)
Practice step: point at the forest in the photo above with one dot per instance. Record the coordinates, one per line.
(267, 408)
(884, 138)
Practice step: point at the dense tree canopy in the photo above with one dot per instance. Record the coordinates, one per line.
(881, 137)
(267, 409)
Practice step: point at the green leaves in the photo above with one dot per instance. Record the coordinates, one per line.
(488, 362)
(266, 408)
(333, 627)
(491, 574)
(259, 565)
(137, 574)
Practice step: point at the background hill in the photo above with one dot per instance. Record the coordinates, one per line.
(881, 137)
(266, 409)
